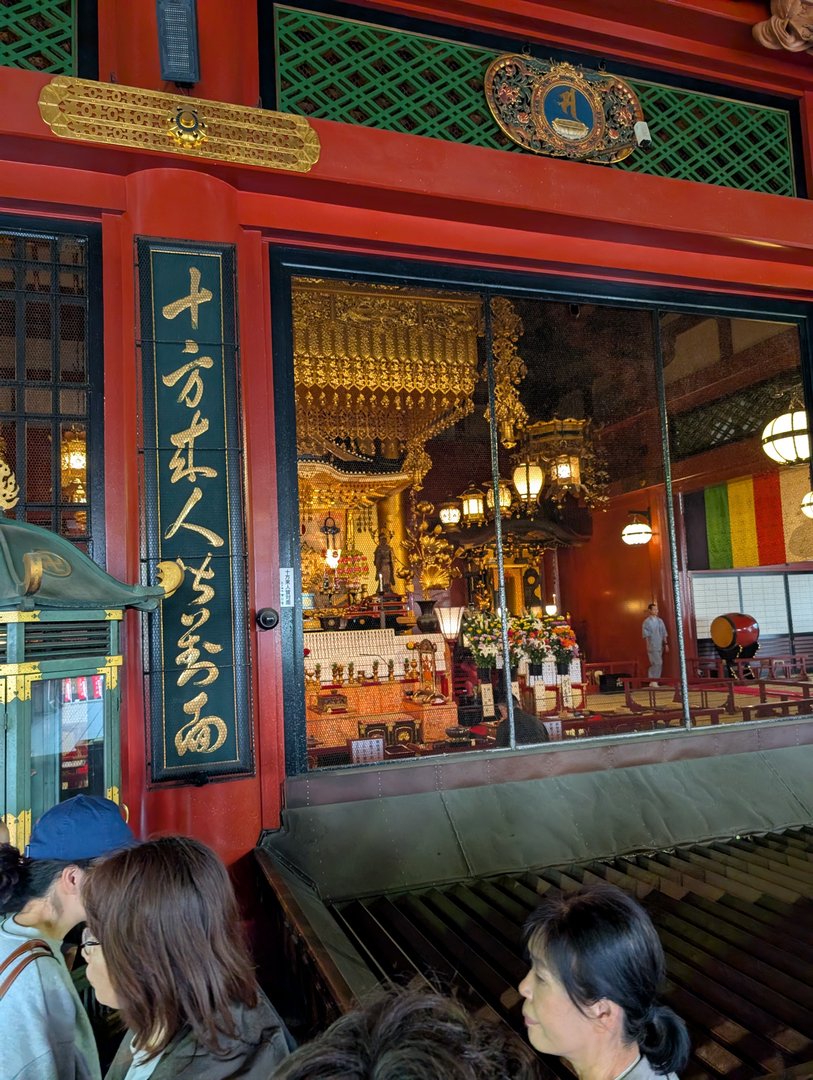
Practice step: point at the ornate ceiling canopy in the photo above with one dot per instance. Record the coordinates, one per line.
(381, 362)
(323, 485)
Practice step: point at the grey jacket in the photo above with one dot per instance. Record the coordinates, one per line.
(254, 1054)
(45, 1033)
(644, 1071)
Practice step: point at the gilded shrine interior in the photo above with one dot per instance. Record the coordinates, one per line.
(402, 607)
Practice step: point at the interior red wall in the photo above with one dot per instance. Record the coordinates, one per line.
(606, 585)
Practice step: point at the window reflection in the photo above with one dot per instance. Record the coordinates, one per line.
(67, 740)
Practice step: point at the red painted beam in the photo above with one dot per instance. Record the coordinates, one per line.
(703, 38)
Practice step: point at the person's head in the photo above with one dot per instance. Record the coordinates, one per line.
(596, 969)
(65, 840)
(501, 704)
(653, 608)
(163, 942)
(405, 1035)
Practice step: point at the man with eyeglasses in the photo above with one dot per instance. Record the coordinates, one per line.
(45, 1033)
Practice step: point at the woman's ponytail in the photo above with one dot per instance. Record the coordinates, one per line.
(12, 870)
(665, 1043)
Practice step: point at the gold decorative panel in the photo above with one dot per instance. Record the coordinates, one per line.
(99, 112)
(322, 485)
(19, 828)
(379, 362)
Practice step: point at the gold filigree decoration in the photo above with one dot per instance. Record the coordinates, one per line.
(312, 563)
(381, 363)
(9, 488)
(509, 370)
(429, 554)
(116, 115)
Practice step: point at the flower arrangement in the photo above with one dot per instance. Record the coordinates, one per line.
(535, 637)
(529, 637)
(483, 634)
(563, 643)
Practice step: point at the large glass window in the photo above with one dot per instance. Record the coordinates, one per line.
(520, 518)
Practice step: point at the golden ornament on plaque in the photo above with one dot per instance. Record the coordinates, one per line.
(186, 128)
(98, 112)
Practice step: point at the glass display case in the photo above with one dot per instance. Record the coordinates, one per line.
(61, 708)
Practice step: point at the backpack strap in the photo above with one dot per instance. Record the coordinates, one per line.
(26, 954)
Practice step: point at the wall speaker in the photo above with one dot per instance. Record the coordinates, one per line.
(178, 41)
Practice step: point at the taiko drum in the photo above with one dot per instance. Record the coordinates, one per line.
(735, 635)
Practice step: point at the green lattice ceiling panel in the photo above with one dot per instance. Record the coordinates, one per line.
(38, 34)
(357, 73)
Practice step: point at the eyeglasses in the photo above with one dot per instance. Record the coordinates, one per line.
(88, 943)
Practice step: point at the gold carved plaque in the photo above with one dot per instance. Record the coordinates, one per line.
(100, 112)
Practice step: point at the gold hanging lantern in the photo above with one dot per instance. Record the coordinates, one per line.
(73, 465)
(473, 506)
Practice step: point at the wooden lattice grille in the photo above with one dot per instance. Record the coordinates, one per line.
(340, 69)
(38, 34)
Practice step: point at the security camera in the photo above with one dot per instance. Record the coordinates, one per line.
(642, 136)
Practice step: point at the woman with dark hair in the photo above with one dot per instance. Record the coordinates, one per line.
(408, 1035)
(163, 945)
(591, 993)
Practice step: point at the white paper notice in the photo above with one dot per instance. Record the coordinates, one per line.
(286, 586)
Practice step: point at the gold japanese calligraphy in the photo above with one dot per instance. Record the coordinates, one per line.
(203, 734)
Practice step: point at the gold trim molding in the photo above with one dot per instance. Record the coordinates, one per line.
(322, 486)
(110, 671)
(19, 828)
(114, 115)
(19, 616)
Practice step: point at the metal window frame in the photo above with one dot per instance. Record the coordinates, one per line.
(287, 263)
(93, 387)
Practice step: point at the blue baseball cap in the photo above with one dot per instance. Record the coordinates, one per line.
(84, 827)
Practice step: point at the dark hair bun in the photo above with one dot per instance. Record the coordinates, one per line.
(11, 866)
(665, 1044)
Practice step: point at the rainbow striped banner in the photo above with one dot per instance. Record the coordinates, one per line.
(749, 521)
